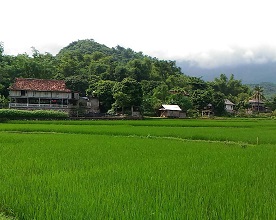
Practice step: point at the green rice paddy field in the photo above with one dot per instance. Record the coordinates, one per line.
(146, 169)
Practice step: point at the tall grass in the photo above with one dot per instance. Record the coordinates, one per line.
(104, 172)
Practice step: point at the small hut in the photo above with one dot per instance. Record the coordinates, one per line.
(208, 111)
(171, 111)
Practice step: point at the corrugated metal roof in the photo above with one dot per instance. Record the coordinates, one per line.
(228, 102)
(171, 108)
(39, 85)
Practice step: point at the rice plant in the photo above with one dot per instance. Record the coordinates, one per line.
(124, 170)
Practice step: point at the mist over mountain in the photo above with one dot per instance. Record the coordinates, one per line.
(249, 73)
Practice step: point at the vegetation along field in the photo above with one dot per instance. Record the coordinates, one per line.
(147, 169)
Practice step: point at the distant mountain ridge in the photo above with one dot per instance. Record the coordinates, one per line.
(269, 89)
(248, 73)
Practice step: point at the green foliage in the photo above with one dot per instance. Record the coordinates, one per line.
(3, 101)
(271, 104)
(4, 217)
(181, 100)
(85, 47)
(201, 98)
(103, 89)
(86, 64)
(150, 105)
(269, 89)
(161, 92)
(1, 50)
(218, 103)
(77, 83)
(229, 86)
(127, 93)
(12, 114)
(258, 93)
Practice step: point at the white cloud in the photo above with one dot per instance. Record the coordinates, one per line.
(201, 30)
(233, 56)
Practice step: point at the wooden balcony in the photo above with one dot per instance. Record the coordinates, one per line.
(38, 106)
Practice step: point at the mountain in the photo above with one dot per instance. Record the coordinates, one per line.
(269, 89)
(248, 73)
(89, 46)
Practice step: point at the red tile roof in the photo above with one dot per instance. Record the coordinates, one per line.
(39, 85)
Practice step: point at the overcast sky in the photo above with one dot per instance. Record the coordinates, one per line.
(212, 32)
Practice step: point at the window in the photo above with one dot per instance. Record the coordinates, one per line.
(23, 92)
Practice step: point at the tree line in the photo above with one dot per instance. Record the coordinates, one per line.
(122, 78)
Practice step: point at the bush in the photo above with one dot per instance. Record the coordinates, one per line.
(11, 114)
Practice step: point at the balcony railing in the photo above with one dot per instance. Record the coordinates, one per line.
(46, 106)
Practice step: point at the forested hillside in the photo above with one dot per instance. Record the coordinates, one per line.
(269, 88)
(122, 78)
(249, 73)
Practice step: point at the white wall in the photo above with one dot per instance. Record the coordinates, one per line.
(38, 94)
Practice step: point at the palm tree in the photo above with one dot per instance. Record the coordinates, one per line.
(258, 95)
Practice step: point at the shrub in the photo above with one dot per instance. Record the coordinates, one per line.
(11, 114)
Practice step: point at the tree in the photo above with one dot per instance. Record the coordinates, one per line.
(272, 104)
(161, 92)
(120, 72)
(127, 93)
(77, 83)
(229, 86)
(218, 103)
(139, 69)
(151, 105)
(181, 100)
(103, 90)
(241, 101)
(1, 50)
(201, 98)
(3, 101)
(258, 96)
(196, 83)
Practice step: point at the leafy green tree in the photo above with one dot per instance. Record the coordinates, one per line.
(178, 81)
(1, 50)
(151, 105)
(127, 93)
(148, 87)
(120, 72)
(272, 104)
(42, 66)
(181, 100)
(139, 69)
(163, 69)
(218, 100)
(103, 90)
(229, 86)
(195, 83)
(77, 83)
(97, 68)
(161, 92)
(201, 98)
(3, 101)
(70, 64)
(240, 101)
